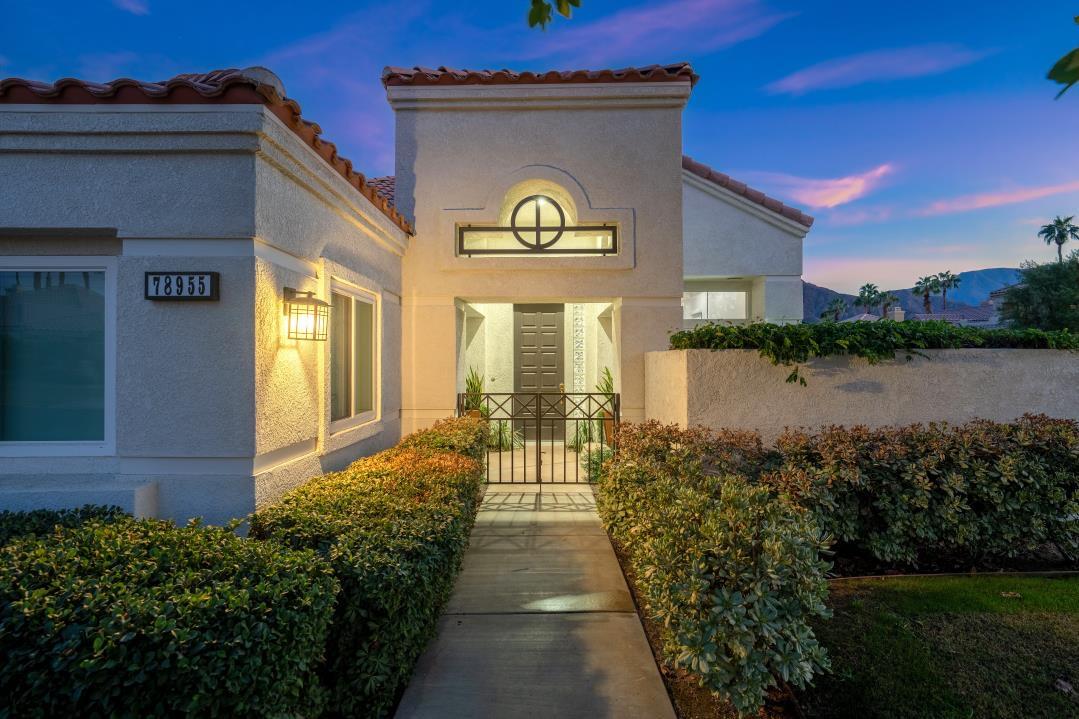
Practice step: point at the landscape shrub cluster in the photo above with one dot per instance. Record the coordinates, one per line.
(730, 572)
(104, 615)
(122, 617)
(932, 494)
(394, 528)
(725, 536)
(877, 341)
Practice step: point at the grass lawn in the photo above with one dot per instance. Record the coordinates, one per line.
(970, 647)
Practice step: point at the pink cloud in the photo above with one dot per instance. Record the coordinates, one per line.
(647, 30)
(135, 7)
(966, 203)
(826, 192)
(876, 66)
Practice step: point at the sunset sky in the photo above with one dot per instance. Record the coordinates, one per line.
(921, 135)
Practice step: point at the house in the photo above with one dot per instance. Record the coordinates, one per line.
(202, 304)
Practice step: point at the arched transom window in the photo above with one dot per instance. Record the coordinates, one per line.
(542, 221)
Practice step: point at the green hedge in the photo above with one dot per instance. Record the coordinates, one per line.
(932, 493)
(43, 521)
(394, 527)
(874, 341)
(121, 617)
(730, 572)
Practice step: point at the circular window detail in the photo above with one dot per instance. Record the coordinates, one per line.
(538, 222)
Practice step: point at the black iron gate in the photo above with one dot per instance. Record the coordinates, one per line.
(544, 437)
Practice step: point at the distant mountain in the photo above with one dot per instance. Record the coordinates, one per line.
(974, 288)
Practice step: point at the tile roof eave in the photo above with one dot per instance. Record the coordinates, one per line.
(727, 182)
(424, 76)
(253, 85)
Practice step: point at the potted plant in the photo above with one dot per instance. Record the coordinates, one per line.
(474, 404)
(605, 386)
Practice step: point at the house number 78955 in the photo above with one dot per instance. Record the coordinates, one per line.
(181, 286)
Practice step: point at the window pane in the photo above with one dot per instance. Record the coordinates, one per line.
(364, 398)
(726, 305)
(52, 356)
(340, 356)
(694, 305)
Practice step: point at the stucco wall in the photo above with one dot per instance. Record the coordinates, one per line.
(459, 149)
(739, 389)
(216, 410)
(728, 238)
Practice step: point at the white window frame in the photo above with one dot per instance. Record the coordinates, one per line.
(89, 263)
(358, 294)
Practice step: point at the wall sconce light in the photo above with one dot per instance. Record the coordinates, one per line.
(308, 316)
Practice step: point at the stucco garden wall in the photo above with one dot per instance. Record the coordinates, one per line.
(738, 389)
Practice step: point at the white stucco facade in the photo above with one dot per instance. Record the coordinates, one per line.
(734, 244)
(210, 409)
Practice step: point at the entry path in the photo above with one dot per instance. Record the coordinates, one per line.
(541, 623)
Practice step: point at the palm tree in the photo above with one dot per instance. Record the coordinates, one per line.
(947, 281)
(925, 286)
(1059, 231)
(868, 297)
(834, 309)
(887, 301)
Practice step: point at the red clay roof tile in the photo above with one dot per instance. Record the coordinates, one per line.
(253, 85)
(394, 76)
(385, 187)
(740, 188)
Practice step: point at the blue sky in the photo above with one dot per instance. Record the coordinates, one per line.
(922, 135)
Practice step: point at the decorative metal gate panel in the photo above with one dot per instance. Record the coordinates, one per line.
(557, 437)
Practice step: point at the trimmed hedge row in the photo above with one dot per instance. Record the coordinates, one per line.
(393, 527)
(104, 615)
(874, 341)
(730, 572)
(44, 521)
(121, 617)
(932, 493)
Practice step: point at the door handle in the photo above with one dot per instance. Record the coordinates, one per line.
(562, 387)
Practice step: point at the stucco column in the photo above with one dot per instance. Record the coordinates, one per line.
(641, 325)
(428, 366)
(777, 298)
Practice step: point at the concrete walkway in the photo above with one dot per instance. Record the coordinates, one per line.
(541, 623)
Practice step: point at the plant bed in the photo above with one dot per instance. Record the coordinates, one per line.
(985, 647)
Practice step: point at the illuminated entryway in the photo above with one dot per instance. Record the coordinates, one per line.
(543, 374)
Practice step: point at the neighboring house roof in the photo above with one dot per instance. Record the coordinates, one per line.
(998, 294)
(981, 313)
(863, 317)
(395, 76)
(253, 85)
(386, 187)
(740, 188)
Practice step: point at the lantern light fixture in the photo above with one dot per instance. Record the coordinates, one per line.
(308, 316)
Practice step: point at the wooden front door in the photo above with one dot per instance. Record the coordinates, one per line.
(538, 360)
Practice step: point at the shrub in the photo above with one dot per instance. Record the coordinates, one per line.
(789, 345)
(730, 572)
(463, 435)
(394, 527)
(927, 493)
(141, 618)
(43, 521)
